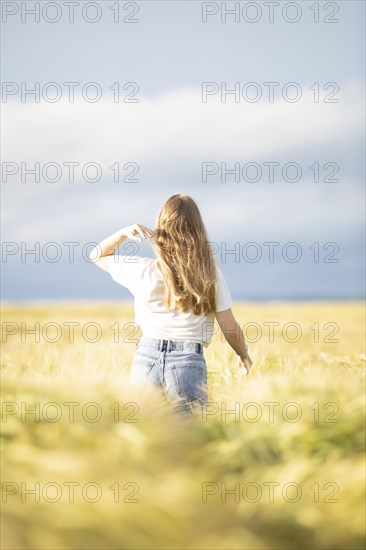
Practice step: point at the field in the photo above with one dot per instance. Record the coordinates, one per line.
(90, 461)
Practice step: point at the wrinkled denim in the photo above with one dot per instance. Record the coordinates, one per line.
(177, 367)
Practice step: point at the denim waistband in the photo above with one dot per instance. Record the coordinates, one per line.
(170, 345)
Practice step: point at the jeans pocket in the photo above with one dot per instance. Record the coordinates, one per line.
(191, 381)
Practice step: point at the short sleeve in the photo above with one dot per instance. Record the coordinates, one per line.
(127, 270)
(223, 296)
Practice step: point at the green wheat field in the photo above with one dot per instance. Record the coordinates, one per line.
(92, 461)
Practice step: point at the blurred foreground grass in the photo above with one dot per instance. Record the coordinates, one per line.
(111, 467)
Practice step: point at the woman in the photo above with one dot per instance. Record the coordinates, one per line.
(177, 295)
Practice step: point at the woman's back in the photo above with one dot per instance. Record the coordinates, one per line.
(177, 297)
(145, 281)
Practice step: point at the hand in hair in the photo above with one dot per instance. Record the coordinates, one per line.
(137, 232)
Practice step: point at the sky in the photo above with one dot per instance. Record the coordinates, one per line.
(174, 97)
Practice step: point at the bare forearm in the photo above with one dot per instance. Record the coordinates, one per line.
(109, 245)
(236, 340)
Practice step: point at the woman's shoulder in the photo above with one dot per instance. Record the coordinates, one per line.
(150, 265)
(221, 281)
(140, 264)
(147, 263)
(143, 259)
(220, 274)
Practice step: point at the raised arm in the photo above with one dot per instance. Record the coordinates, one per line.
(101, 254)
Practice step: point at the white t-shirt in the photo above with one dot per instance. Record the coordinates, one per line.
(145, 281)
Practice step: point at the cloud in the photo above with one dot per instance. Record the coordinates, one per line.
(176, 125)
(170, 135)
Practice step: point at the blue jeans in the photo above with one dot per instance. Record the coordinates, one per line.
(177, 367)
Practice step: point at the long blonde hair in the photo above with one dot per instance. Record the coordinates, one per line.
(184, 257)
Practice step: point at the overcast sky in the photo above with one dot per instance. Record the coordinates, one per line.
(168, 137)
